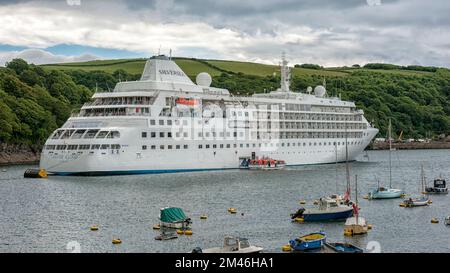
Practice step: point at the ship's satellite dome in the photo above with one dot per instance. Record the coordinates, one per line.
(309, 89)
(319, 91)
(203, 79)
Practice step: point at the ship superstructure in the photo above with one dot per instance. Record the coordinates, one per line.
(166, 123)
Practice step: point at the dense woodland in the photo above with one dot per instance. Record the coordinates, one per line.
(34, 101)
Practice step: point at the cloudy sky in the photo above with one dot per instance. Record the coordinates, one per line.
(327, 32)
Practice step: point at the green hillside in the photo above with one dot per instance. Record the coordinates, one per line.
(215, 67)
(34, 100)
(268, 70)
(133, 66)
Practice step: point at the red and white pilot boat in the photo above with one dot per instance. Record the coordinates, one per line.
(266, 163)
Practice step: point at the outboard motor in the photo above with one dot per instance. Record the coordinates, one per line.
(298, 214)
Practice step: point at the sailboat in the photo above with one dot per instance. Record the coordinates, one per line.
(419, 201)
(355, 225)
(386, 192)
(331, 207)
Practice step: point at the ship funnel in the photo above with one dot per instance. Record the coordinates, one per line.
(163, 69)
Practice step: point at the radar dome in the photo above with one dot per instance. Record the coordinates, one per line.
(203, 79)
(319, 91)
(309, 89)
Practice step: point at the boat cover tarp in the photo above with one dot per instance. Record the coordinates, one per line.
(170, 215)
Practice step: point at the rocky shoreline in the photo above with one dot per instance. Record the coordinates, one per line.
(16, 154)
(411, 145)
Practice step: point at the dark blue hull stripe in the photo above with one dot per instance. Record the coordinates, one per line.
(328, 216)
(130, 172)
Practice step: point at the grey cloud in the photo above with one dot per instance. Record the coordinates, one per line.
(329, 31)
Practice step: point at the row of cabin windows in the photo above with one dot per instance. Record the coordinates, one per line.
(282, 135)
(185, 134)
(162, 147)
(248, 145)
(83, 147)
(178, 147)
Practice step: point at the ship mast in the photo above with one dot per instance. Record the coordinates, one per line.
(285, 74)
(347, 169)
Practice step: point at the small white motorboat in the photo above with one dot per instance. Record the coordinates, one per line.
(231, 245)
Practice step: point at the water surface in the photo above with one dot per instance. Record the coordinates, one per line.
(44, 215)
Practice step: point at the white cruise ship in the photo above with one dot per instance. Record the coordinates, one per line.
(166, 123)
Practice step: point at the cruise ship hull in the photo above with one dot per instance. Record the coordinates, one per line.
(126, 161)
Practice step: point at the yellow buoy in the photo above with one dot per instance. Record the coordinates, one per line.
(203, 216)
(94, 228)
(188, 232)
(365, 197)
(402, 204)
(430, 202)
(299, 220)
(302, 202)
(232, 210)
(179, 231)
(286, 248)
(116, 241)
(157, 226)
(348, 232)
(369, 226)
(434, 221)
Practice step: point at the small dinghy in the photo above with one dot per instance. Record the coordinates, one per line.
(231, 245)
(308, 242)
(166, 234)
(418, 201)
(344, 248)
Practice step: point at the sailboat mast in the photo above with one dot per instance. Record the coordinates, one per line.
(336, 165)
(356, 198)
(390, 160)
(422, 189)
(347, 170)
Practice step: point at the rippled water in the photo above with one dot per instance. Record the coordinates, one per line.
(44, 215)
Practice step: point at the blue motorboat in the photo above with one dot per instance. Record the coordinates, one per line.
(344, 248)
(309, 242)
(328, 210)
